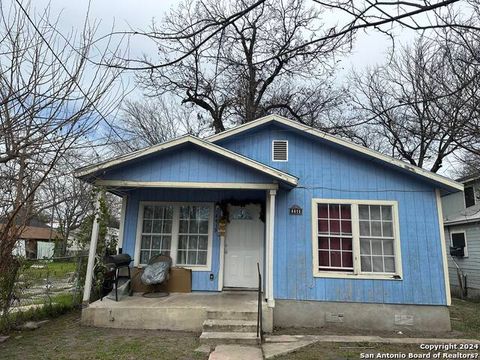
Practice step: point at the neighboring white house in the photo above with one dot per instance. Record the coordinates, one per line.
(462, 233)
(74, 247)
(37, 240)
(34, 249)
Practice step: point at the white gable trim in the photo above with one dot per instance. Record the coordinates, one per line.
(443, 244)
(320, 134)
(292, 180)
(185, 184)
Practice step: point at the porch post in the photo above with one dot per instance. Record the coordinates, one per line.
(221, 263)
(122, 221)
(267, 242)
(91, 253)
(270, 242)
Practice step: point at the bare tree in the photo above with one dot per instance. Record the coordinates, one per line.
(152, 121)
(228, 77)
(68, 199)
(353, 16)
(462, 46)
(50, 101)
(420, 106)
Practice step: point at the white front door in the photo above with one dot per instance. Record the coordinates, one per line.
(243, 246)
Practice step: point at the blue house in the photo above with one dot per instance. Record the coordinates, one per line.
(342, 234)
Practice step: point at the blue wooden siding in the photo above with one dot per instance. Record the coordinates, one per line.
(200, 279)
(188, 163)
(325, 171)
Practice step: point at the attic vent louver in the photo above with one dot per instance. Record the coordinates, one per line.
(280, 150)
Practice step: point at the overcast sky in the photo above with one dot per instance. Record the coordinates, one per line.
(369, 48)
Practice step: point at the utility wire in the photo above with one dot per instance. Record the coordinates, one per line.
(69, 74)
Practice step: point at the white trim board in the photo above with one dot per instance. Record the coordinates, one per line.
(122, 221)
(91, 169)
(443, 245)
(461, 222)
(345, 143)
(185, 184)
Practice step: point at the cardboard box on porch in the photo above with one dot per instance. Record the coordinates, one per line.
(180, 280)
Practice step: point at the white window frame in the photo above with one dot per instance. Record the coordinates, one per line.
(465, 249)
(357, 273)
(175, 228)
(273, 146)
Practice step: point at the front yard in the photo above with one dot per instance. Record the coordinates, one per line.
(465, 316)
(40, 269)
(64, 338)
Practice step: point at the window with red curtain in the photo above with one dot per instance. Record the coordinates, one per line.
(335, 237)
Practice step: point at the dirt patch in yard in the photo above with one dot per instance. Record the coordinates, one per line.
(65, 338)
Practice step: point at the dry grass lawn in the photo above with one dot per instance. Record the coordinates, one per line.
(64, 338)
(465, 316)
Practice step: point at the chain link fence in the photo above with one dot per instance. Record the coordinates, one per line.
(47, 287)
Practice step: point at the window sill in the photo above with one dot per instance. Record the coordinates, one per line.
(193, 268)
(336, 275)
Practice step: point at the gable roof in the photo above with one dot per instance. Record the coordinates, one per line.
(90, 170)
(32, 232)
(445, 182)
(468, 215)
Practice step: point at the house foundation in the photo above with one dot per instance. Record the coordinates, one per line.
(291, 313)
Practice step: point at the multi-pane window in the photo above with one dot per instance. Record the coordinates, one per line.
(182, 231)
(193, 235)
(335, 237)
(356, 237)
(376, 238)
(156, 232)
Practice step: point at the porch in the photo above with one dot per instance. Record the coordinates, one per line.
(195, 311)
(226, 255)
(212, 211)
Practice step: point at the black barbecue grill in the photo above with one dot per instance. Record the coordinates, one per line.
(114, 263)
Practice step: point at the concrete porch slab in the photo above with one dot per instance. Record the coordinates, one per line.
(227, 300)
(178, 311)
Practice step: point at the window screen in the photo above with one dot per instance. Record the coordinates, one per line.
(280, 150)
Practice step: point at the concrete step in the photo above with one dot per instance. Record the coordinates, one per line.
(230, 325)
(214, 338)
(232, 315)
